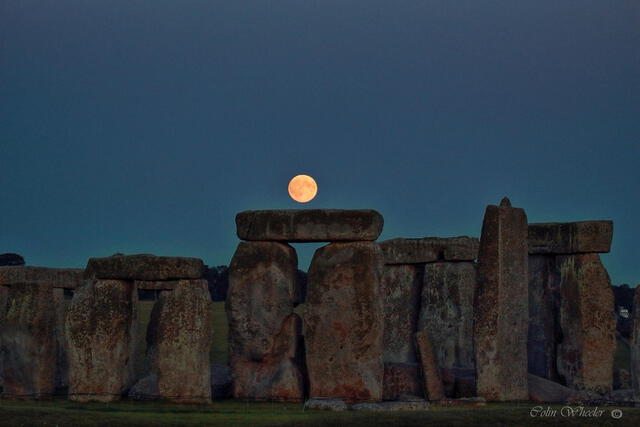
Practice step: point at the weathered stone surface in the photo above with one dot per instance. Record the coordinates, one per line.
(635, 346)
(179, 338)
(429, 249)
(501, 311)
(264, 333)
(621, 379)
(543, 390)
(158, 285)
(447, 314)
(585, 355)
(4, 295)
(570, 237)
(392, 406)
(325, 404)
(221, 381)
(100, 324)
(27, 337)
(401, 379)
(309, 225)
(401, 288)
(344, 322)
(144, 267)
(11, 259)
(433, 388)
(544, 316)
(68, 278)
(62, 364)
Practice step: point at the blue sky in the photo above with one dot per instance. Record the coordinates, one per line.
(131, 126)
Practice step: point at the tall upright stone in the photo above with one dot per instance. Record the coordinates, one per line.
(62, 364)
(401, 288)
(585, 355)
(100, 325)
(179, 338)
(501, 312)
(27, 336)
(447, 315)
(344, 322)
(544, 316)
(264, 333)
(635, 346)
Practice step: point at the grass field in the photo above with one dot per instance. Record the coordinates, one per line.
(234, 413)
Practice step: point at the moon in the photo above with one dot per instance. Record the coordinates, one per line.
(302, 188)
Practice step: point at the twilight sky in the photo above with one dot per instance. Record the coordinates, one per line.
(143, 127)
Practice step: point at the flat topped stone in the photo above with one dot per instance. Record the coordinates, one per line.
(429, 249)
(144, 267)
(68, 278)
(570, 237)
(309, 225)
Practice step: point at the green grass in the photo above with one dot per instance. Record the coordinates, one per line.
(235, 413)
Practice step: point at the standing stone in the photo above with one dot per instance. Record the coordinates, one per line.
(501, 312)
(544, 316)
(401, 287)
(585, 355)
(28, 341)
(433, 388)
(179, 338)
(402, 379)
(100, 324)
(447, 314)
(4, 295)
(264, 334)
(62, 363)
(635, 346)
(344, 322)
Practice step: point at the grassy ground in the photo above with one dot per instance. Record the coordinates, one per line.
(233, 413)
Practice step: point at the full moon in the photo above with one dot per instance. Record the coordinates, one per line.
(302, 188)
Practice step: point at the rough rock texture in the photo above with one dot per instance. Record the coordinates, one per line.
(401, 288)
(429, 249)
(11, 259)
(326, 404)
(309, 225)
(543, 390)
(447, 314)
(344, 322)
(570, 237)
(4, 295)
(100, 324)
(433, 388)
(463, 380)
(401, 379)
(179, 339)
(621, 379)
(635, 347)
(585, 355)
(264, 333)
(68, 278)
(27, 336)
(412, 405)
(501, 311)
(158, 285)
(544, 316)
(221, 381)
(62, 364)
(144, 267)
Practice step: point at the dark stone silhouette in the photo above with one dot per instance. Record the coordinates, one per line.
(11, 259)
